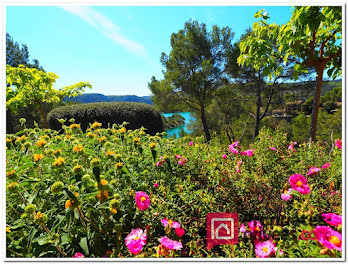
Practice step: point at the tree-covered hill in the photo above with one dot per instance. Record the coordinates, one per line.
(96, 97)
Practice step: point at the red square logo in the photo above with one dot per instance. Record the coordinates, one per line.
(222, 229)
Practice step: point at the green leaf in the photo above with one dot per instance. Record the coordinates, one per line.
(84, 246)
(65, 238)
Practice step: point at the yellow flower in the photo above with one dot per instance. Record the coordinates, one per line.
(152, 145)
(119, 165)
(78, 148)
(8, 229)
(122, 130)
(96, 125)
(114, 211)
(90, 135)
(59, 161)
(68, 204)
(110, 153)
(72, 126)
(10, 173)
(58, 151)
(102, 195)
(136, 139)
(41, 143)
(39, 214)
(44, 137)
(38, 157)
(103, 182)
(67, 136)
(8, 140)
(102, 139)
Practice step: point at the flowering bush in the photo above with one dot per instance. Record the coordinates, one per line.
(118, 193)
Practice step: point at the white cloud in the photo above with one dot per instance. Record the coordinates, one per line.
(107, 27)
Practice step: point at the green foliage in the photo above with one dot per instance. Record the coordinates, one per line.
(136, 114)
(46, 224)
(30, 86)
(163, 97)
(314, 34)
(195, 67)
(328, 124)
(16, 55)
(307, 106)
(174, 120)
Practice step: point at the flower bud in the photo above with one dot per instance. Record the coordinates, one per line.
(57, 187)
(95, 162)
(31, 208)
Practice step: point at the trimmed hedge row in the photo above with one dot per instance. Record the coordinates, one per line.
(137, 114)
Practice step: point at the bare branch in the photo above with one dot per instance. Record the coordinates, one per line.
(324, 43)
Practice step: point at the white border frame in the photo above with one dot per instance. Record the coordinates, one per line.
(5, 3)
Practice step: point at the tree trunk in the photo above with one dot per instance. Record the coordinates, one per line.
(205, 124)
(43, 115)
(257, 116)
(315, 110)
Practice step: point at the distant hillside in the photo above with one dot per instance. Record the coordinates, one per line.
(96, 97)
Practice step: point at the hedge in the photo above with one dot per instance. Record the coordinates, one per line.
(136, 114)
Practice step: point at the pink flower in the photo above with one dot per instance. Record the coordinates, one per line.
(235, 144)
(177, 156)
(332, 219)
(328, 237)
(338, 143)
(313, 170)
(136, 240)
(171, 223)
(142, 201)
(180, 232)
(326, 165)
(250, 152)
(292, 146)
(78, 255)
(233, 149)
(242, 228)
(156, 185)
(263, 250)
(272, 148)
(170, 244)
(287, 194)
(182, 161)
(160, 162)
(224, 156)
(299, 183)
(238, 166)
(281, 252)
(191, 143)
(255, 226)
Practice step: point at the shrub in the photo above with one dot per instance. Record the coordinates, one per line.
(136, 114)
(329, 106)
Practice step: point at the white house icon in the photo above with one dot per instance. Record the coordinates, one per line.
(215, 231)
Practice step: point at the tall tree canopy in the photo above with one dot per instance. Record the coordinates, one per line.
(313, 38)
(310, 40)
(19, 55)
(196, 65)
(31, 87)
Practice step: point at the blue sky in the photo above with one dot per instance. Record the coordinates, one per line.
(116, 48)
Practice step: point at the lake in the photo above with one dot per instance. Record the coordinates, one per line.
(175, 131)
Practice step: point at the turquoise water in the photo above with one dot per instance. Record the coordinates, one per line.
(175, 131)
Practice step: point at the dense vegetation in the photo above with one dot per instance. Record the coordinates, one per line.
(77, 193)
(137, 115)
(95, 97)
(174, 120)
(98, 180)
